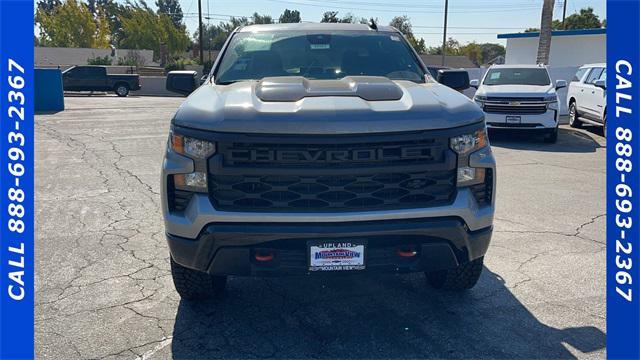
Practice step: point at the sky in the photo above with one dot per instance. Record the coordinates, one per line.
(469, 20)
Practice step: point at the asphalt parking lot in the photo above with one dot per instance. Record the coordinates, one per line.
(104, 289)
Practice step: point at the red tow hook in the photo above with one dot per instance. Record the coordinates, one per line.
(264, 256)
(408, 251)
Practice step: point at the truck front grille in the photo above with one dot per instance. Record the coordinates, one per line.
(515, 105)
(322, 174)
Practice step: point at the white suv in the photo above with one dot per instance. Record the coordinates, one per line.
(587, 96)
(520, 97)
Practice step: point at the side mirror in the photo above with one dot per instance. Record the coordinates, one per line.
(561, 84)
(182, 82)
(475, 83)
(455, 79)
(601, 83)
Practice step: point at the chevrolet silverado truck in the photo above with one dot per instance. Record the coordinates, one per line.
(324, 149)
(520, 97)
(96, 78)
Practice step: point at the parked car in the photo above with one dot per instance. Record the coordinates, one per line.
(587, 96)
(327, 148)
(520, 97)
(95, 78)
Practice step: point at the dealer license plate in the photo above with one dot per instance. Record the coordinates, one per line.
(336, 256)
(513, 119)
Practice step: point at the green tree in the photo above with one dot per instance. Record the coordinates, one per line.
(290, 16)
(584, 19)
(144, 29)
(332, 17)
(403, 24)
(172, 9)
(261, 19)
(71, 24)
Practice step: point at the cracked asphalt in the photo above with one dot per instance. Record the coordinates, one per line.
(104, 289)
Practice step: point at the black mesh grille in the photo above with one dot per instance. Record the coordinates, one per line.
(357, 174)
(330, 193)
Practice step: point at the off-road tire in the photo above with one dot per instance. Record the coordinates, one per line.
(573, 116)
(121, 90)
(196, 285)
(464, 277)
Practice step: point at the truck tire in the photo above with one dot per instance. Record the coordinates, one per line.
(121, 90)
(573, 116)
(464, 277)
(195, 285)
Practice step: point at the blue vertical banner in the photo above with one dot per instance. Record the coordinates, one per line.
(623, 182)
(16, 180)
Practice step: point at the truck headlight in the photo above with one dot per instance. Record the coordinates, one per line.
(195, 181)
(192, 147)
(464, 144)
(470, 176)
(479, 99)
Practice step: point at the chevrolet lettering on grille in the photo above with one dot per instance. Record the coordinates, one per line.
(330, 156)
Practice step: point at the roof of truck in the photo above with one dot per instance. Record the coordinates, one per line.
(313, 27)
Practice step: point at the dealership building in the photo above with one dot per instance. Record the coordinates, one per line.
(568, 47)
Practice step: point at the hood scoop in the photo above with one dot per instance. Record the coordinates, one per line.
(294, 88)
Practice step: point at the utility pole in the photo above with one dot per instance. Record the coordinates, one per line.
(200, 31)
(444, 35)
(564, 12)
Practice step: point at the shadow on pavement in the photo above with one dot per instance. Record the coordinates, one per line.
(569, 140)
(368, 316)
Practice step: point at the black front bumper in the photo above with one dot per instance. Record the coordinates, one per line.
(230, 248)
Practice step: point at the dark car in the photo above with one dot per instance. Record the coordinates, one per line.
(95, 78)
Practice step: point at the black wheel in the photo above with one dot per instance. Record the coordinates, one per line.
(604, 125)
(122, 90)
(196, 285)
(552, 137)
(464, 277)
(573, 116)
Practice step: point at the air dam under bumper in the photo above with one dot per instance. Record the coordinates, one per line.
(230, 248)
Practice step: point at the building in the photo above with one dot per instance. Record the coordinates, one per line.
(569, 48)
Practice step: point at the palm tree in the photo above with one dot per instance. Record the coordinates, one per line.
(544, 45)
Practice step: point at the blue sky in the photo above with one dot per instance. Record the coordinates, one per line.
(469, 20)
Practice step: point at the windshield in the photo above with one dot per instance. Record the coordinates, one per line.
(253, 56)
(526, 76)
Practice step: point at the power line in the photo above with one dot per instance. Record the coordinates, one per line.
(290, 2)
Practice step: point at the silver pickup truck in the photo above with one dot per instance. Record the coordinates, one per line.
(325, 148)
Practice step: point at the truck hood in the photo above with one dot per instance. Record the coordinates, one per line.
(516, 90)
(238, 108)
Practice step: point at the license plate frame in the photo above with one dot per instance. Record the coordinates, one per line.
(513, 119)
(354, 255)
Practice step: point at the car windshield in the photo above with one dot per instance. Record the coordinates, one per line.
(317, 55)
(513, 76)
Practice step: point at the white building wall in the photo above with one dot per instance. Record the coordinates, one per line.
(566, 51)
(50, 56)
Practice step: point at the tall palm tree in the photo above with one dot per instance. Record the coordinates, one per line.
(544, 45)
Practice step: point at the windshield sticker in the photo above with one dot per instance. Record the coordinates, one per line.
(320, 46)
(494, 76)
(395, 38)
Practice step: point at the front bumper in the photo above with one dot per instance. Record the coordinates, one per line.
(229, 249)
(547, 120)
(207, 239)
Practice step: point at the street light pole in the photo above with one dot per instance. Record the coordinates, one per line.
(200, 31)
(444, 35)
